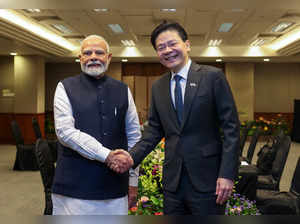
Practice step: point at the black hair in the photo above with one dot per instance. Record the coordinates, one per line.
(164, 26)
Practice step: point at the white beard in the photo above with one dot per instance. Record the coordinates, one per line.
(94, 71)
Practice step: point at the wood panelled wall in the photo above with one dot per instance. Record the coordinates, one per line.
(5, 130)
(25, 123)
(140, 77)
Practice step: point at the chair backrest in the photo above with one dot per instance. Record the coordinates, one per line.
(45, 162)
(280, 134)
(244, 136)
(280, 158)
(295, 185)
(36, 128)
(277, 139)
(17, 134)
(267, 153)
(252, 146)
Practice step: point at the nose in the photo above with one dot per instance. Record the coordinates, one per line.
(93, 53)
(94, 56)
(167, 50)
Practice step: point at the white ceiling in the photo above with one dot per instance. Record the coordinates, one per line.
(201, 19)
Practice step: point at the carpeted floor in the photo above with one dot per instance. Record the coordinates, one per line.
(21, 192)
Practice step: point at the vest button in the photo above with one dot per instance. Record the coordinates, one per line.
(102, 101)
(104, 133)
(103, 117)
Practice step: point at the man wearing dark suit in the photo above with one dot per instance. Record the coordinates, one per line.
(190, 105)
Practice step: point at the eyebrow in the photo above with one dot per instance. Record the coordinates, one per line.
(96, 50)
(170, 41)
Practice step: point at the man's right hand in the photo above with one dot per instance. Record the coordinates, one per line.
(119, 161)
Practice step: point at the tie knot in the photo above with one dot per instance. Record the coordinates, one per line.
(177, 78)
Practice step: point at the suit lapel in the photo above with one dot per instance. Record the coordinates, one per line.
(192, 85)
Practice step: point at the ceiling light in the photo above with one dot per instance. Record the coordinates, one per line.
(61, 28)
(116, 28)
(21, 21)
(281, 27)
(13, 53)
(77, 60)
(263, 39)
(225, 27)
(218, 60)
(128, 43)
(32, 10)
(100, 10)
(214, 43)
(124, 60)
(168, 10)
(131, 42)
(266, 59)
(286, 40)
(258, 42)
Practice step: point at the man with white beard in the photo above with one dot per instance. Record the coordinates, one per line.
(94, 115)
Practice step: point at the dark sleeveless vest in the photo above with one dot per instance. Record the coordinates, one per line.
(99, 109)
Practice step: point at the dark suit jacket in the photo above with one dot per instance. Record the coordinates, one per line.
(208, 107)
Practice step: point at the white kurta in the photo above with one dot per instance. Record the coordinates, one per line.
(90, 148)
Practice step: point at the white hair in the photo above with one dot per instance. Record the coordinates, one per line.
(95, 36)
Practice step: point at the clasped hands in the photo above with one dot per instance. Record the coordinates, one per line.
(119, 161)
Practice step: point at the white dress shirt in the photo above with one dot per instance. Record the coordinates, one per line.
(90, 148)
(183, 73)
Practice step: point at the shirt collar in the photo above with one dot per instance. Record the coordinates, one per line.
(184, 71)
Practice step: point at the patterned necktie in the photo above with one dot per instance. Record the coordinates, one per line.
(178, 99)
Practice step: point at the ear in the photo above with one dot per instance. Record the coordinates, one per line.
(188, 45)
(80, 57)
(109, 56)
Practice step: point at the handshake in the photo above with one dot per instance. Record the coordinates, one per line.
(119, 161)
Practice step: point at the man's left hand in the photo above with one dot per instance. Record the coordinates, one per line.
(223, 190)
(132, 196)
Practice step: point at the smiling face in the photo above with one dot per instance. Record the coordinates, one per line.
(94, 58)
(172, 50)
